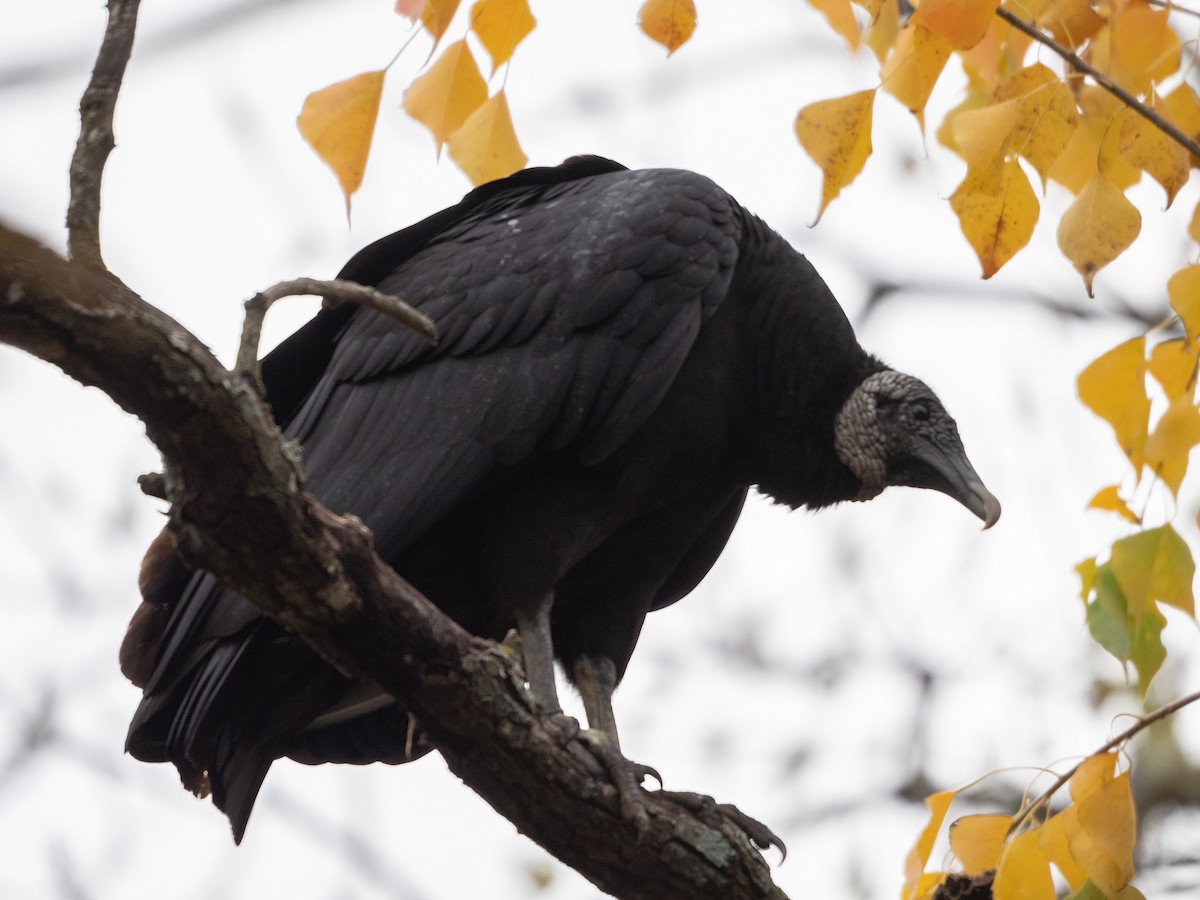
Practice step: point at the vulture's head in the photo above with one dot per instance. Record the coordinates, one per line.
(894, 430)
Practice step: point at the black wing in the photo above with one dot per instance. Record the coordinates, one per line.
(565, 307)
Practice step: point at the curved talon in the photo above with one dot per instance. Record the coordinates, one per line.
(760, 835)
(625, 775)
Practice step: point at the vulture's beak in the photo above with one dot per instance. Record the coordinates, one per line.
(949, 471)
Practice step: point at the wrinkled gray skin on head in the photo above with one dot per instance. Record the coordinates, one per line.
(893, 430)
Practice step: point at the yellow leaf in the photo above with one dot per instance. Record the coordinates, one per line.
(436, 16)
(1144, 145)
(1054, 843)
(1193, 228)
(1048, 117)
(486, 147)
(1144, 40)
(1109, 499)
(1182, 108)
(1092, 774)
(1102, 831)
(997, 215)
(1086, 570)
(1070, 21)
(1173, 365)
(981, 135)
(837, 135)
(883, 31)
(1097, 228)
(1093, 139)
(451, 90)
(841, 18)
(938, 804)
(1183, 290)
(975, 98)
(1024, 871)
(1113, 386)
(339, 121)
(978, 841)
(668, 22)
(873, 7)
(500, 26)
(962, 23)
(1169, 445)
(1154, 565)
(912, 68)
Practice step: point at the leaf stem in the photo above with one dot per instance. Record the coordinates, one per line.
(1142, 723)
(1188, 143)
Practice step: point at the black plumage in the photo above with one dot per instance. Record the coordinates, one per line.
(622, 355)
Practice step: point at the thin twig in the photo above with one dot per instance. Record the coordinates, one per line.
(334, 293)
(1188, 143)
(1142, 723)
(96, 133)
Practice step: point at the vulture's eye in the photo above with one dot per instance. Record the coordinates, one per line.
(920, 411)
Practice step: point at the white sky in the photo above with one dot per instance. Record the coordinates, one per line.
(785, 684)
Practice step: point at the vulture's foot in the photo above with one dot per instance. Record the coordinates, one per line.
(625, 775)
(705, 806)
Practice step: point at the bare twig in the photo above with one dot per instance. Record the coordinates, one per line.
(1142, 723)
(1188, 143)
(334, 293)
(96, 133)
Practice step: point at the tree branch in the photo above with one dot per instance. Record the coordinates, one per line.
(334, 292)
(96, 134)
(238, 510)
(1188, 143)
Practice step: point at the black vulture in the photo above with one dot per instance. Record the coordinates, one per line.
(622, 355)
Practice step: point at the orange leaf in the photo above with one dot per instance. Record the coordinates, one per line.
(1097, 228)
(410, 9)
(1113, 386)
(978, 841)
(1144, 145)
(486, 147)
(1144, 41)
(444, 96)
(841, 18)
(436, 16)
(1070, 21)
(668, 22)
(500, 26)
(837, 135)
(938, 805)
(997, 214)
(912, 68)
(1094, 145)
(1110, 499)
(339, 121)
(1183, 290)
(961, 22)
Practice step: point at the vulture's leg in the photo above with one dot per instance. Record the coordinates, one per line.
(537, 649)
(596, 679)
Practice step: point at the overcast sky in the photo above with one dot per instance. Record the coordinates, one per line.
(828, 661)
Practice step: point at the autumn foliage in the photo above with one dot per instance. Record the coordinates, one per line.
(1088, 95)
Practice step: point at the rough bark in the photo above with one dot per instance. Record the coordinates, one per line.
(239, 509)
